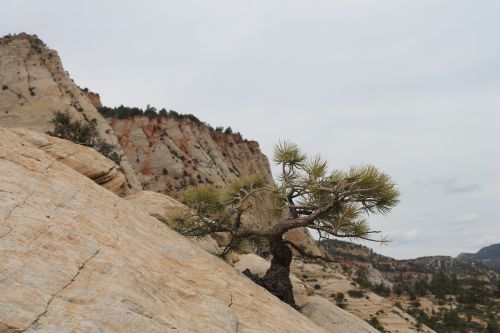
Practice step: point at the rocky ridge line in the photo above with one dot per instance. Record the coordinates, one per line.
(34, 85)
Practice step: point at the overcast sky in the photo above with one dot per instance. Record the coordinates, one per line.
(412, 87)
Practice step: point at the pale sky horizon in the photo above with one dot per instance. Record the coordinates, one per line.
(411, 86)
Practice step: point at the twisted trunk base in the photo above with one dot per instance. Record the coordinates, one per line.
(277, 278)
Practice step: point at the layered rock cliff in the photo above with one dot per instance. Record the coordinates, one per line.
(170, 154)
(34, 85)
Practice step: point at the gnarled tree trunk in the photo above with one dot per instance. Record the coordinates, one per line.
(277, 278)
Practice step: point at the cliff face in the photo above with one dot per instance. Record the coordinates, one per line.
(94, 98)
(34, 85)
(170, 154)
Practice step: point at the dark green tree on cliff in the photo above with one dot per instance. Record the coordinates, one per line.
(332, 203)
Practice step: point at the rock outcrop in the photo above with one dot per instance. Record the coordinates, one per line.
(170, 154)
(34, 85)
(320, 310)
(332, 318)
(93, 97)
(85, 160)
(315, 286)
(327, 279)
(161, 207)
(75, 257)
(155, 204)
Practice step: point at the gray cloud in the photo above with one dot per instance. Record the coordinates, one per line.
(451, 185)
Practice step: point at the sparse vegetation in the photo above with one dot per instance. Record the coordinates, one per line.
(83, 133)
(470, 288)
(356, 293)
(340, 300)
(125, 112)
(376, 324)
(363, 281)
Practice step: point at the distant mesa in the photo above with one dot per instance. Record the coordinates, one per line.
(488, 255)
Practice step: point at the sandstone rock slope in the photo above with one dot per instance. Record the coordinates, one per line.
(161, 207)
(155, 204)
(34, 85)
(75, 257)
(83, 159)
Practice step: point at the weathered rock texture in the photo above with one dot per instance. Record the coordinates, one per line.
(320, 310)
(172, 154)
(332, 318)
(75, 257)
(155, 204)
(34, 85)
(327, 279)
(85, 160)
(93, 97)
(161, 207)
(315, 285)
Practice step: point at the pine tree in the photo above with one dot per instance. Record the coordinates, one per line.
(332, 203)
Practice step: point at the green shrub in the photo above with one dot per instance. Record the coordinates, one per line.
(381, 290)
(356, 293)
(108, 150)
(376, 324)
(340, 300)
(83, 133)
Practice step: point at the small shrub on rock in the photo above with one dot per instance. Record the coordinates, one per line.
(376, 324)
(340, 300)
(83, 133)
(356, 293)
